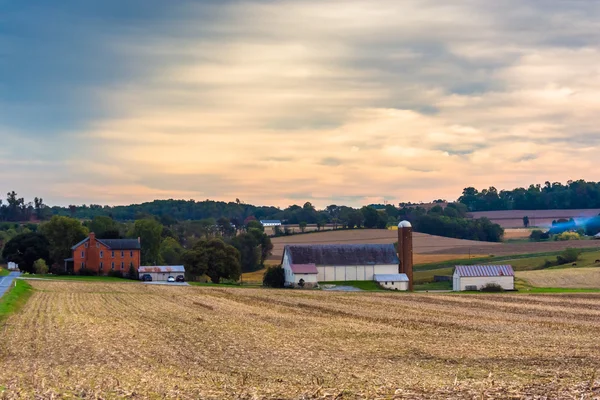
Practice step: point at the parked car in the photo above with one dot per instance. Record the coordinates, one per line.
(180, 278)
(147, 278)
(170, 279)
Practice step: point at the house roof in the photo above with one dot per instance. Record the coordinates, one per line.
(484, 270)
(304, 268)
(270, 221)
(390, 278)
(114, 244)
(161, 268)
(342, 254)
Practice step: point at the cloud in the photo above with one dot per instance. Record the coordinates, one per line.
(268, 101)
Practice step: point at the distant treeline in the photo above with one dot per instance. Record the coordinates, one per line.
(573, 195)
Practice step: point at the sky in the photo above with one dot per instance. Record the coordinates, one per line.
(287, 101)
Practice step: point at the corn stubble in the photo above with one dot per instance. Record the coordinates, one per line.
(98, 340)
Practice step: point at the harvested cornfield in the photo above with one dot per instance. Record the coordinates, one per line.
(101, 340)
(584, 278)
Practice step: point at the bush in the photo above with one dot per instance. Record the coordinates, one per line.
(86, 272)
(115, 274)
(132, 273)
(491, 287)
(274, 277)
(569, 255)
(567, 236)
(40, 266)
(538, 235)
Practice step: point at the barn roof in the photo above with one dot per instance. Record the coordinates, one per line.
(342, 254)
(270, 221)
(114, 244)
(390, 278)
(484, 270)
(304, 268)
(161, 268)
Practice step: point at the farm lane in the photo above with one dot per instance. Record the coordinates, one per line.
(6, 281)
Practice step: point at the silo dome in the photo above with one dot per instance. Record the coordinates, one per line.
(404, 224)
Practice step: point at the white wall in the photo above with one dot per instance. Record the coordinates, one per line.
(460, 283)
(394, 285)
(328, 273)
(289, 276)
(308, 278)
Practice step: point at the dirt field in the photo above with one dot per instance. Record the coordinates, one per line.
(516, 233)
(579, 278)
(99, 340)
(541, 218)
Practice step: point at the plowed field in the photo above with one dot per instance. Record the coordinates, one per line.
(100, 340)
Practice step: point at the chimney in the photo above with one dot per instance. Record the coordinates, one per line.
(139, 240)
(405, 251)
(92, 236)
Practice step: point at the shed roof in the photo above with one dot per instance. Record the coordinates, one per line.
(161, 268)
(304, 268)
(390, 278)
(342, 254)
(484, 270)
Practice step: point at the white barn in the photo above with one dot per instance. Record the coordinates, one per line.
(337, 263)
(392, 281)
(474, 277)
(270, 222)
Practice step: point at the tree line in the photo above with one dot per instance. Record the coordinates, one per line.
(573, 195)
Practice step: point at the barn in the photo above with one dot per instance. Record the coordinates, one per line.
(392, 281)
(270, 222)
(474, 277)
(331, 262)
(162, 272)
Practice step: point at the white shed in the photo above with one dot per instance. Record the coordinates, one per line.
(300, 275)
(161, 272)
(392, 281)
(474, 277)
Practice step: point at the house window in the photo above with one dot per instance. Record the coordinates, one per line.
(101, 265)
(112, 265)
(131, 254)
(82, 265)
(392, 283)
(122, 265)
(85, 245)
(101, 254)
(122, 254)
(82, 254)
(112, 254)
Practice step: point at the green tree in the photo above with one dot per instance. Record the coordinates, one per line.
(149, 231)
(132, 273)
(214, 258)
(104, 227)
(355, 219)
(264, 242)
(248, 247)
(370, 216)
(254, 224)
(25, 249)
(62, 233)
(274, 277)
(526, 221)
(302, 226)
(40, 266)
(170, 251)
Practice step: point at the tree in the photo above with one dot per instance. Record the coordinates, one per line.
(254, 224)
(170, 251)
(526, 221)
(225, 228)
(274, 277)
(264, 241)
(104, 227)
(40, 266)
(25, 249)
(62, 233)
(149, 231)
(214, 258)
(302, 226)
(355, 219)
(250, 253)
(132, 273)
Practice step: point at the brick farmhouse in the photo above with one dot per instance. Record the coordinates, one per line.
(105, 255)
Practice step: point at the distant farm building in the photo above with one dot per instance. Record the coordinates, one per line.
(349, 262)
(162, 272)
(392, 281)
(102, 256)
(474, 277)
(12, 266)
(270, 222)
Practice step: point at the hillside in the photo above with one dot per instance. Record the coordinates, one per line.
(540, 218)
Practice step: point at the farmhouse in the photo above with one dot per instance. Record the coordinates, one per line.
(474, 277)
(161, 272)
(104, 255)
(331, 262)
(270, 222)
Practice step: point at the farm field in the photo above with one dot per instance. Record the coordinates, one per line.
(83, 339)
(541, 218)
(578, 278)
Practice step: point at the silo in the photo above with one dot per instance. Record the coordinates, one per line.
(405, 251)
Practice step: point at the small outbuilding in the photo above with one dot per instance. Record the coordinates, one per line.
(161, 272)
(270, 222)
(301, 275)
(474, 277)
(392, 281)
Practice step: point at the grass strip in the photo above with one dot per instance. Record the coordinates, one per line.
(15, 298)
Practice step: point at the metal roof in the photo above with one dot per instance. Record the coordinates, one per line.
(342, 254)
(484, 270)
(161, 268)
(304, 268)
(270, 221)
(390, 278)
(114, 244)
